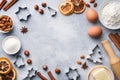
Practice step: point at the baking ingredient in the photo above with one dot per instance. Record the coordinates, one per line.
(79, 62)
(95, 31)
(57, 71)
(51, 75)
(36, 7)
(11, 3)
(92, 15)
(44, 4)
(24, 30)
(110, 14)
(82, 57)
(6, 23)
(11, 45)
(29, 61)
(2, 3)
(101, 74)
(41, 11)
(10, 76)
(66, 8)
(26, 53)
(92, 1)
(79, 6)
(45, 67)
(85, 66)
(5, 65)
(115, 39)
(41, 76)
(87, 4)
(95, 4)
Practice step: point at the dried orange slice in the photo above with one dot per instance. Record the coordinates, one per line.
(66, 7)
(5, 65)
(10, 76)
(79, 6)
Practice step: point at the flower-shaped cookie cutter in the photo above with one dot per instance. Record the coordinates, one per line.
(23, 13)
(73, 74)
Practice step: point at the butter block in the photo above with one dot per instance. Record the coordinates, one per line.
(101, 74)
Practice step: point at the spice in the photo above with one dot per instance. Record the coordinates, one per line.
(110, 14)
(92, 1)
(24, 30)
(29, 61)
(51, 75)
(95, 4)
(36, 7)
(79, 62)
(87, 4)
(84, 66)
(44, 4)
(41, 11)
(82, 57)
(27, 53)
(41, 76)
(57, 71)
(45, 67)
(2, 3)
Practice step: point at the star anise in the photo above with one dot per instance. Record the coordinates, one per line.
(24, 30)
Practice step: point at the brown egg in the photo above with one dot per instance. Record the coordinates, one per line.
(95, 31)
(92, 15)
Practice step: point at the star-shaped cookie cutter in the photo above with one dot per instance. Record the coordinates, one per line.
(73, 74)
(23, 13)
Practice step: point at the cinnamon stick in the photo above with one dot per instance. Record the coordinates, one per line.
(114, 40)
(3, 2)
(117, 37)
(7, 6)
(41, 76)
(51, 75)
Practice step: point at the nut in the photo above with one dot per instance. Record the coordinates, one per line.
(82, 56)
(45, 67)
(95, 4)
(79, 62)
(29, 61)
(41, 11)
(87, 4)
(26, 53)
(44, 4)
(36, 7)
(92, 1)
(57, 71)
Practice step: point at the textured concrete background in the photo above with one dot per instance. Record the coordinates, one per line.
(57, 42)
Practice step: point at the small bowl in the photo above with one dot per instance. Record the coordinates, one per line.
(100, 15)
(10, 21)
(18, 41)
(89, 76)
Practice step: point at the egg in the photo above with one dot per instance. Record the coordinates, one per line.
(92, 15)
(95, 31)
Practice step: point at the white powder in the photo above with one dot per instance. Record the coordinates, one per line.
(111, 14)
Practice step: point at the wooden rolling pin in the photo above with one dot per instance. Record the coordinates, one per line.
(114, 60)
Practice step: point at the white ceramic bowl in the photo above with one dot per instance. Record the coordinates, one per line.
(106, 2)
(89, 76)
(18, 43)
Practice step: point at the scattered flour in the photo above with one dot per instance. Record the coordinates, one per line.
(111, 14)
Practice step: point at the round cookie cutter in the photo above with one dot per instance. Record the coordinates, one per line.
(89, 76)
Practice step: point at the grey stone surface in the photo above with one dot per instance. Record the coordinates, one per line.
(55, 41)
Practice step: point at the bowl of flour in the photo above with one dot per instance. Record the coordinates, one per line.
(109, 14)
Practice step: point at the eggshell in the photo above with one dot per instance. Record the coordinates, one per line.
(95, 31)
(92, 15)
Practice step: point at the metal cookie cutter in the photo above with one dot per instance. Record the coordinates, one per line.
(19, 62)
(73, 74)
(31, 73)
(95, 56)
(53, 12)
(23, 13)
